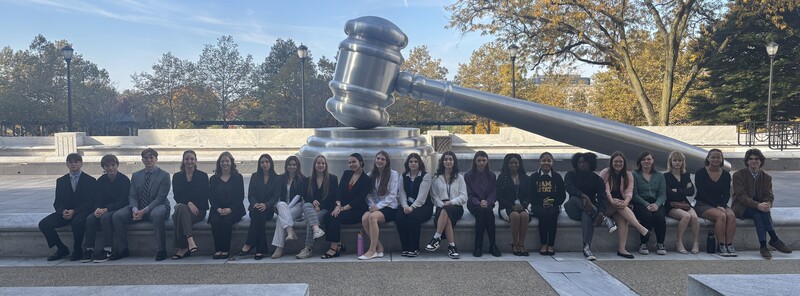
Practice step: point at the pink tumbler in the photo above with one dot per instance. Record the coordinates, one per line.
(360, 248)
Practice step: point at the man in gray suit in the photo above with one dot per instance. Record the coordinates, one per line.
(148, 201)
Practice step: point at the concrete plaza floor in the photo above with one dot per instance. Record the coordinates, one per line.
(429, 274)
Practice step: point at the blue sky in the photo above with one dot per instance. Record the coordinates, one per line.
(128, 36)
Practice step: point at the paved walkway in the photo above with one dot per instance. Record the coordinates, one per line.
(429, 274)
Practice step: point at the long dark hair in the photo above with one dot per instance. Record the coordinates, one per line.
(614, 177)
(218, 171)
(504, 180)
(385, 174)
(440, 169)
(271, 173)
(312, 181)
(419, 160)
(474, 168)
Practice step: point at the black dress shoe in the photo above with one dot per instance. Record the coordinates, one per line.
(494, 251)
(477, 252)
(629, 256)
(76, 255)
(60, 253)
(161, 255)
(119, 255)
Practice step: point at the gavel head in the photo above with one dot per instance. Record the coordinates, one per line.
(367, 67)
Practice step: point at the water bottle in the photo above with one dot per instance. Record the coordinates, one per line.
(711, 243)
(360, 248)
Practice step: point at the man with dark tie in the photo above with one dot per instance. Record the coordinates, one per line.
(74, 196)
(147, 202)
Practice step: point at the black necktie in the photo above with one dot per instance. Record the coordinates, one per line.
(144, 199)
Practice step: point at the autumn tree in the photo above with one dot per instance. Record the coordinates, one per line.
(33, 91)
(489, 70)
(226, 73)
(407, 110)
(597, 32)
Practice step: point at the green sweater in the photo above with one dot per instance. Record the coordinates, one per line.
(654, 191)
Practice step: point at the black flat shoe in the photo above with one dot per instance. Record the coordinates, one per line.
(629, 256)
(193, 250)
(60, 253)
(243, 253)
(342, 249)
(258, 256)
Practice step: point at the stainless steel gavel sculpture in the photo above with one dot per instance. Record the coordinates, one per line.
(368, 73)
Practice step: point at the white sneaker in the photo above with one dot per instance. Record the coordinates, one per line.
(318, 233)
(305, 253)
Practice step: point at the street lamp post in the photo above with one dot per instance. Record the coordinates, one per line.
(772, 49)
(513, 50)
(67, 52)
(302, 52)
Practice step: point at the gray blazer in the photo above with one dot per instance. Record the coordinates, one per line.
(159, 188)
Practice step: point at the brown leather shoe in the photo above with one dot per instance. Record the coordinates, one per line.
(766, 253)
(780, 246)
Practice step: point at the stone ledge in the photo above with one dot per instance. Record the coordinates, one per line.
(20, 235)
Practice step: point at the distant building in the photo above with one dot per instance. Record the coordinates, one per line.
(573, 79)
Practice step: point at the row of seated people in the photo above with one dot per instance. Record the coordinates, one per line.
(616, 197)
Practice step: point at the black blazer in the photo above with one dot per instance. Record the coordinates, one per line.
(543, 186)
(326, 202)
(227, 194)
(80, 200)
(507, 193)
(196, 191)
(112, 195)
(298, 188)
(356, 197)
(258, 192)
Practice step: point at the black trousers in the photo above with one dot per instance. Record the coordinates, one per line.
(651, 220)
(548, 220)
(484, 222)
(257, 232)
(408, 226)
(49, 224)
(91, 230)
(221, 230)
(333, 225)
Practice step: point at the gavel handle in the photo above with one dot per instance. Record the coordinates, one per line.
(578, 129)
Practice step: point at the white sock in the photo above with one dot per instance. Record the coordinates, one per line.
(107, 249)
(452, 244)
(437, 235)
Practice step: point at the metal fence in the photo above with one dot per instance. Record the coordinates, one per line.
(778, 135)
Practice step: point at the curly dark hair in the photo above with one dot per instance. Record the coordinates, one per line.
(588, 157)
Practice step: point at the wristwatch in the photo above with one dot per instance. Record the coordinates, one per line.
(338, 203)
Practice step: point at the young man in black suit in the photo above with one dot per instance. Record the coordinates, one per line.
(74, 196)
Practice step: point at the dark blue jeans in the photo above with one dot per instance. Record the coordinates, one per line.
(762, 220)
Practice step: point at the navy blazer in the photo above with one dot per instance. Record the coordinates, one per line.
(80, 200)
